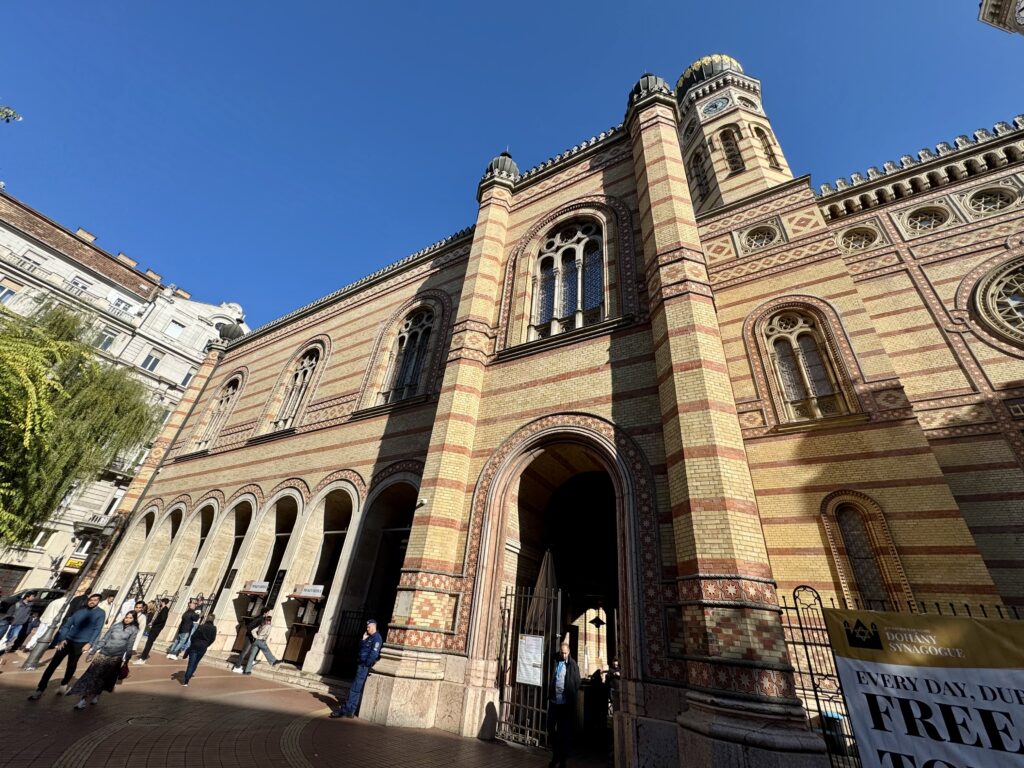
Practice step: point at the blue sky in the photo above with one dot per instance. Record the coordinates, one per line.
(268, 153)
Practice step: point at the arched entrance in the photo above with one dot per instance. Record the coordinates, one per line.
(559, 577)
(371, 584)
(217, 572)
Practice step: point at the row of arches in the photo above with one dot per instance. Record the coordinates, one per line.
(240, 557)
(938, 177)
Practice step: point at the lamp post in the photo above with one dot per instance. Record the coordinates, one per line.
(97, 530)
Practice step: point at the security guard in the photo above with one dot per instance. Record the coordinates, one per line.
(369, 652)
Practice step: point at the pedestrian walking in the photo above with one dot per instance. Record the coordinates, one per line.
(185, 629)
(77, 635)
(369, 652)
(48, 618)
(18, 615)
(258, 633)
(565, 682)
(29, 631)
(108, 606)
(107, 659)
(202, 639)
(156, 626)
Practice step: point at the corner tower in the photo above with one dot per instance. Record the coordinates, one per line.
(728, 144)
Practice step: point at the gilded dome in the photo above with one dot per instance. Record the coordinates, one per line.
(704, 69)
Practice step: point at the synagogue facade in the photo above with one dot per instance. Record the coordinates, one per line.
(660, 383)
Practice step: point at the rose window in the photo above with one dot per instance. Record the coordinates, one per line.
(990, 200)
(926, 219)
(858, 239)
(760, 237)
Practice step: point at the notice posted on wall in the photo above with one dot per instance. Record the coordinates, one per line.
(931, 691)
(530, 661)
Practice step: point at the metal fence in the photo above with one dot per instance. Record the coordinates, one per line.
(810, 652)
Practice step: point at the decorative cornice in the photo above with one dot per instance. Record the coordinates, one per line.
(420, 255)
(943, 151)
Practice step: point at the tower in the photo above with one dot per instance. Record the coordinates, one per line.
(728, 145)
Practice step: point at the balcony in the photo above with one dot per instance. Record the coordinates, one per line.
(96, 525)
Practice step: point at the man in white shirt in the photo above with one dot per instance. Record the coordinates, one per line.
(50, 615)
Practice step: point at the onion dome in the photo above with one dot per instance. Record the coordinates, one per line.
(706, 68)
(646, 85)
(503, 166)
(231, 332)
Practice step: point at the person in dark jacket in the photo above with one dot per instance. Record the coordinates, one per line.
(185, 628)
(156, 626)
(202, 639)
(77, 634)
(565, 682)
(19, 615)
(369, 652)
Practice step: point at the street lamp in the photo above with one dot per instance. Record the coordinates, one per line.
(97, 530)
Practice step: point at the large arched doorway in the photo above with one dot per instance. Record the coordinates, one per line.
(371, 584)
(217, 570)
(558, 578)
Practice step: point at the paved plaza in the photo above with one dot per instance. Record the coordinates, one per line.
(221, 719)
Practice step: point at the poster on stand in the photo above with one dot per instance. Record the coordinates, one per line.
(929, 691)
(530, 661)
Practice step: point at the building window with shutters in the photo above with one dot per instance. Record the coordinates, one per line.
(569, 280)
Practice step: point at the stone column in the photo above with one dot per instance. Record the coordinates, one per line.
(408, 682)
(741, 707)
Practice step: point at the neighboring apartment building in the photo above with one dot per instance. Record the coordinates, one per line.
(661, 376)
(156, 329)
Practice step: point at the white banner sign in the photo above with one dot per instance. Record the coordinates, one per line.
(530, 662)
(931, 691)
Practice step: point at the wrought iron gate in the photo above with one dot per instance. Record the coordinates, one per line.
(814, 666)
(143, 580)
(523, 706)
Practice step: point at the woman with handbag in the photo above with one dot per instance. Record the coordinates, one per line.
(108, 660)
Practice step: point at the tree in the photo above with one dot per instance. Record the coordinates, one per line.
(7, 114)
(64, 415)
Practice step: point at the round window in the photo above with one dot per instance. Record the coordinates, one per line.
(991, 200)
(926, 219)
(999, 300)
(759, 237)
(858, 238)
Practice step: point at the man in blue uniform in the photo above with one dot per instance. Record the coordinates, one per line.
(369, 652)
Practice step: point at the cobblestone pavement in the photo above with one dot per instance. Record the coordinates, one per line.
(221, 719)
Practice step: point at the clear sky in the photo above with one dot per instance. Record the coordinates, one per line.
(268, 153)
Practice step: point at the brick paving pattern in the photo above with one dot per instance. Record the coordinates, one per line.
(221, 719)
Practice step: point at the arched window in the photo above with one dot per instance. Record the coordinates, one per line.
(731, 147)
(769, 150)
(219, 414)
(404, 376)
(865, 577)
(806, 375)
(699, 175)
(568, 282)
(296, 388)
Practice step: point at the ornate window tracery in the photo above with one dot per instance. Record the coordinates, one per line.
(804, 370)
(858, 238)
(991, 200)
(404, 378)
(926, 219)
(569, 280)
(219, 414)
(731, 147)
(760, 237)
(296, 388)
(1000, 300)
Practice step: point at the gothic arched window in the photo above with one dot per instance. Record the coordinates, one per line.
(568, 282)
(699, 174)
(769, 150)
(296, 388)
(806, 375)
(731, 147)
(404, 377)
(865, 577)
(218, 414)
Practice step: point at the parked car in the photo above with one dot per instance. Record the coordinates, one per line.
(44, 596)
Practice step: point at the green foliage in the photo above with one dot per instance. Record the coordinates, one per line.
(64, 415)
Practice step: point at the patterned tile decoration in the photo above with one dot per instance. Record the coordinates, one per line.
(292, 483)
(346, 475)
(949, 417)
(611, 209)
(888, 399)
(775, 260)
(251, 488)
(215, 496)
